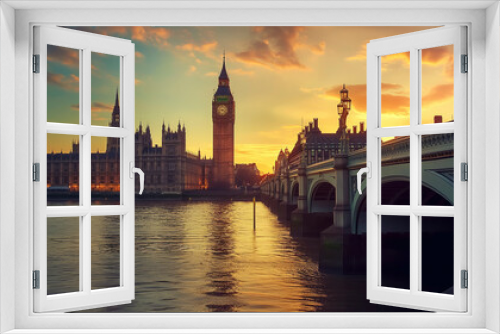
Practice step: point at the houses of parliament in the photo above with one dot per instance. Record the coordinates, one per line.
(169, 168)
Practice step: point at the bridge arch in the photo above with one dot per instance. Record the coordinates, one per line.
(438, 185)
(436, 190)
(322, 196)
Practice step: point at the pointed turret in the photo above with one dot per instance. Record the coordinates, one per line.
(223, 89)
(113, 144)
(223, 74)
(117, 100)
(115, 116)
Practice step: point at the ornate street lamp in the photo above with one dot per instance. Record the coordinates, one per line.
(343, 108)
(340, 109)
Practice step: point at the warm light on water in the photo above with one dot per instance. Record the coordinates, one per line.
(206, 257)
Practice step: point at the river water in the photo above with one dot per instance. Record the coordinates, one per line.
(206, 257)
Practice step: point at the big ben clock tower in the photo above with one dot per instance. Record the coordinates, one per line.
(223, 115)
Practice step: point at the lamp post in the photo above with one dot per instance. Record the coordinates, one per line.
(343, 108)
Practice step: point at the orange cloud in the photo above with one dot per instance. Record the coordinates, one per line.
(318, 49)
(100, 107)
(439, 55)
(101, 111)
(360, 56)
(239, 71)
(438, 93)
(62, 55)
(151, 35)
(395, 104)
(273, 47)
(139, 54)
(204, 48)
(394, 58)
(69, 83)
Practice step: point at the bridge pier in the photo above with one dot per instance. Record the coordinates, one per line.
(285, 211)
(299, 215)
(306, 224)
(341, 251)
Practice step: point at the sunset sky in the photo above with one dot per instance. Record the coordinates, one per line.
(280, 77)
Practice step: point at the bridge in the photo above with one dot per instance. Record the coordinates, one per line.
(314, 187)
(321, 199)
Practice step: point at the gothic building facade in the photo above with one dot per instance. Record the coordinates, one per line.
(168, 169)
(315, 146)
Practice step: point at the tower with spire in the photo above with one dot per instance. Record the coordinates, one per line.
(113, 144)
(223, 117)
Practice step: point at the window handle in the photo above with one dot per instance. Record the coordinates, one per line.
(134, 170)
(368, 172)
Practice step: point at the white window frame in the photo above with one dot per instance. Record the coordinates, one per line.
(415, 43)
(484, 51)
(85, 43)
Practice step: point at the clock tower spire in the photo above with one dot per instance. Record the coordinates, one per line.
(223, 117)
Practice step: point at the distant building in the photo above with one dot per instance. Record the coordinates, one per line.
(168, 169)
(319, 146)
(247, 175)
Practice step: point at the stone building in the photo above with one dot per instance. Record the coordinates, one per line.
(168, 169)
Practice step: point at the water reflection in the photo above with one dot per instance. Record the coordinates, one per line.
(206, 257)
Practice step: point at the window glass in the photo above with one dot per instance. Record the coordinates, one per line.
(63, 85)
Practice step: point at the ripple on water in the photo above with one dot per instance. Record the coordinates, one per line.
(206, 257)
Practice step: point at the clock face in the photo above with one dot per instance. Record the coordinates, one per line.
(222, 110)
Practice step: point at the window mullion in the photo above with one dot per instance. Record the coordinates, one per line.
(86, 171)
(414, 169)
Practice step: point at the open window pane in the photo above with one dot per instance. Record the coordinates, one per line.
(63, 253)
(105, 171)
(437, 84)
(105, 252)
(395, 243)
(438, 169)
(431, 164)
(437, 254)
(105, 83)
(395, 90)
(395, 171)
(63, 170)
(63, 85)
(63, 159)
